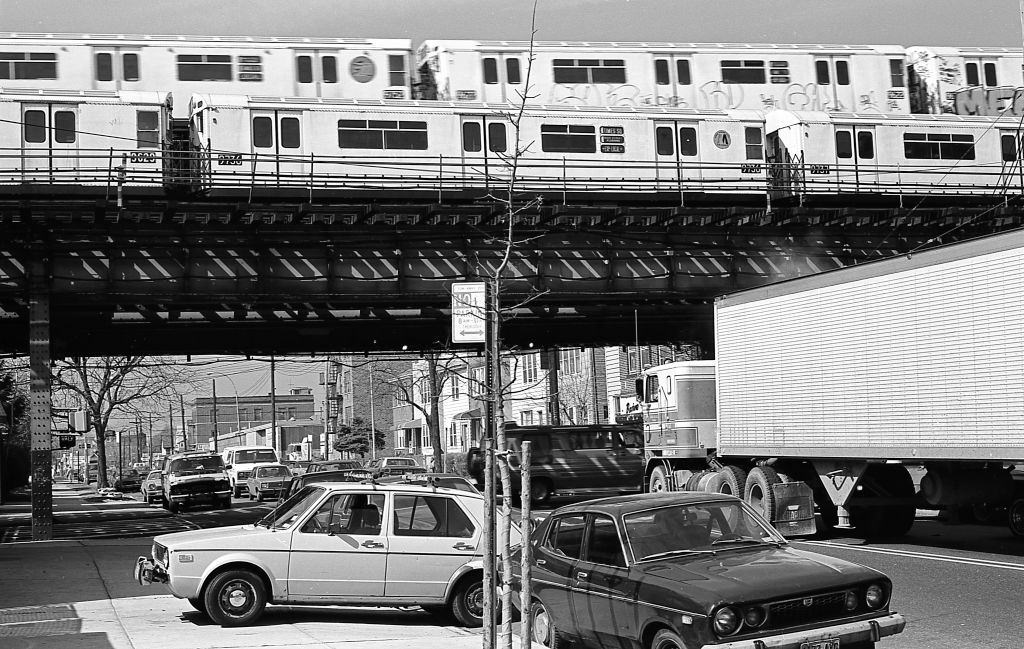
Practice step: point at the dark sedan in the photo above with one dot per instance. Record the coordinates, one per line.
(345, 475)
(684, 570)
(333, 465)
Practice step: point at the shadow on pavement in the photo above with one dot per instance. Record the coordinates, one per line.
(277, 615)
(56, 625)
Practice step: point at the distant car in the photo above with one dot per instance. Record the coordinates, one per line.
(297, 467)
(384, 466)
(686, 569)
(128, 481)
(334, 465)
(193, 478)
(268, 481)
(344, 475)
(446, 480)
(333, 544)
(152, 487)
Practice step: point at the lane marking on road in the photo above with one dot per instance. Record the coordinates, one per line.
(921, 555)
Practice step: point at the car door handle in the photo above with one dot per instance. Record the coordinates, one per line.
(464, 546)
(582, 575)
(369, 543)
(541, 562)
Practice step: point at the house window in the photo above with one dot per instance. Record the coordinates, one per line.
(257, 414)
(381, 134)
(28, 65)
(526, 418)
(589, 71)
(531, 368)
(743, 71)
(424, 389)
(568, 138)
(147, 132)
(456, 386)
(204, 67)
(477, 388)
(569, 361)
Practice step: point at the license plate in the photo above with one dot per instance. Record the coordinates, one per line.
(828, 643)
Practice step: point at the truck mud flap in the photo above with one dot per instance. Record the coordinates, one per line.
(794, 509)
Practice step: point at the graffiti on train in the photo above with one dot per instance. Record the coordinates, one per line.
(989, 101)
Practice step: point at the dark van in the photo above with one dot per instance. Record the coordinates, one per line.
(597, 460)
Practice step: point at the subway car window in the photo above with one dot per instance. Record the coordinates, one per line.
(865, 145)
(471, 139)
(104, 67)
(844, 144)
(1008, 143)
(743, 72)
(147, 129)
(972, 74)
(490, 70)
(683, 72)
(396, 70)
(512, 71)
(408, 136)
(565, 138)
(31, 65)
(842, 73)
(64, 126)
(661, 72)
(821, 71)
(290, 133)
(938, 146)
(663, 138)
(35, 126)
(304, 69)
(330, 69)
(130, 64)
(687, 141)
(496, 140)
(990, 75)
(752, 137)
(204, 67)
(262, 132)
(354, 134)
(896, 71)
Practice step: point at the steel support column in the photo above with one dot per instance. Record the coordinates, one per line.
(39, 400)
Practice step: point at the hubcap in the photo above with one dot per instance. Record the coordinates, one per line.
(542, 627)
(236, 598)
(475, 601)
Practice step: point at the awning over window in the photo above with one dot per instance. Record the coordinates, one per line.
(475, 413)
(412, 423)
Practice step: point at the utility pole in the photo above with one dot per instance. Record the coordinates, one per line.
(150, 442)
(554, 417)
(373, 425)
(170, 420)
(274, 441)
(184, 431)
(215, 414)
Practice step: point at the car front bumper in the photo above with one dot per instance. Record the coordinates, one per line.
(147, 572)
(207, 497)
(847, 633)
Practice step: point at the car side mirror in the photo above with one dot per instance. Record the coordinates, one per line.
(227, 466)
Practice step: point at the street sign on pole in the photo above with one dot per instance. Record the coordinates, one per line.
(469, 312)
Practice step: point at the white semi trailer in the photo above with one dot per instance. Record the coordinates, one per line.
(851, 381)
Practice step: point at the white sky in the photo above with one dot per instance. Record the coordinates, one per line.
(902, 22)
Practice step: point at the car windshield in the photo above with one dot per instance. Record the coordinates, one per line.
(696, 528)
(273, 472)
(255, 456)
(285, 514)
(208, 464)
(153, 475)
(399, 461)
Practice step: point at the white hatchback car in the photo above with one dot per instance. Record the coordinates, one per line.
(334, 543)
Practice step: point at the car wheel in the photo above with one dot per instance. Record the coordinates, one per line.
(174, 507)
(197, 603)
(545, 633)
(1016, 514)
(665, 639)
(235, 598)
(540, 491)
(226, 503)
(758, 491)
(658, 481)
(468, 602)
(259, 496)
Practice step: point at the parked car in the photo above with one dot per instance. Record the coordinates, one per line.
(384, 466)
(334, 465)
(594, 460)
(194, 478)
(128, 481)
(605, 573)
(268, 481)
(446, 480)
(152, 486)
(239, 461)
(345, 475)
(333, 544)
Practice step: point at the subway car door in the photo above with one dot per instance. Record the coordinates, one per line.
(49, 142)
(673, 81)
(835, 92)
(116, 68)
(278, 148)
(677, 159)
(316, 73)
(502, 75)
(856, 166)
(475, 163)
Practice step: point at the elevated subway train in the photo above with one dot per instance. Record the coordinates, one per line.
(321, 146)
(889, 79)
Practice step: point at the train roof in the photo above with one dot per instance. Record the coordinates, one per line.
(954, 49)
(652, 45)
(200, 101)
(158, 39)
(776, 119)
(86, 96)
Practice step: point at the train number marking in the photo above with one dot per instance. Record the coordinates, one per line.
(143, 157)
(820, 170)
(230, 159)
(750, 169)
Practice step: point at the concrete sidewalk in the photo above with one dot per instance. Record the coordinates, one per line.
(81, 594)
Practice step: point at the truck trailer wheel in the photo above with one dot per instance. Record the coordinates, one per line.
(758, 491)
(1016, 513)
(733, 482)
(658, 482)
(884, 481)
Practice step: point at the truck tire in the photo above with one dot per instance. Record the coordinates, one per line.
(733, 480)
(884, 480)
(658, 481)
(540, 491)
(1016, 517)
(758, 491)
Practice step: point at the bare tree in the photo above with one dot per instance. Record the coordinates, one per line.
(109, 386)
(575, 397)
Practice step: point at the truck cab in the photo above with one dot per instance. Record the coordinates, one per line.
(240, 461)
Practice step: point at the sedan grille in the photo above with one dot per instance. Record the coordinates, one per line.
(806, 610)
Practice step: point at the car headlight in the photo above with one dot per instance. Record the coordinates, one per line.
(754, 616)
(264, 485)
(726, 621)
(874, 596)
(851, 600)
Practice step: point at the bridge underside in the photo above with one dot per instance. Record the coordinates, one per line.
(157, 277)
